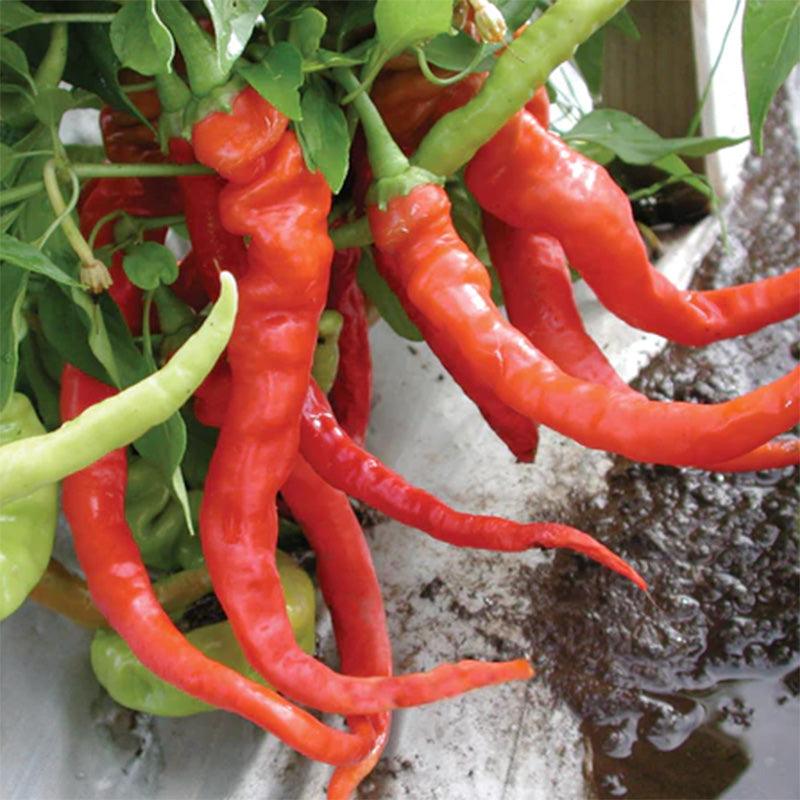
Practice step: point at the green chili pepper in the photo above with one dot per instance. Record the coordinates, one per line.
(326, 353)
(134, 686)
(124, 417)
(525, 65)
(27, 525)
(154, 514)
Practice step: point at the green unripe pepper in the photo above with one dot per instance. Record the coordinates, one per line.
(27, 525)
(326, 353)
(131, 684)
(154, 514)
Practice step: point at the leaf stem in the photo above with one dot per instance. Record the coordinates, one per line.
(354, 234)
(94, 273)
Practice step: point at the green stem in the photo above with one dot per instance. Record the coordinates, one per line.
(425, 69)
(98, 17)
(385, 157)
(68, 226)
(525, 65)
(21, 192)
(51, 67)
(354, 234)
(138, 170)
(173, 93)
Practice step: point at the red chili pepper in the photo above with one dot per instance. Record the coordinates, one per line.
(450, 288)
(540, 303)
(188, 287)
(215, 249)
(347, 578)
(531, 179)
(341, 462)
(518, 433)
(351, 394)
(94, 503)
(274, 199)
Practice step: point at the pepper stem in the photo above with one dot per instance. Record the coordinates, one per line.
(385, 157)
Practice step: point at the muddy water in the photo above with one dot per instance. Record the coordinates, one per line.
(693, 694)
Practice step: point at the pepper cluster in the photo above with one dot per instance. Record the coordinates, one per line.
(285, 375)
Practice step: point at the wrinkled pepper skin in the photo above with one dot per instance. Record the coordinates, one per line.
(341, 462)
(451, 288)
(134, 686)
(347, 578)
(273, 198)
(541, 304)
(94, 503)
(531, 179)
(27, 525)
(214, 248)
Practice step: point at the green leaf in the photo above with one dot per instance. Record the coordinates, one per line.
(65, 332)
(402, 23)
(632, 141)
(90, 314)
(92, 63)
(49, 105)
(307, 30)
(358, 17)
(323, 134)
(13, 282)
(200, 447)
(29, 258)
(164, 445)
(516, 12)
(770, 48)
(140, 39)
(233, 21)
(278, 78)
(16, 14)
(149, 263)
(6, 160)
(14, 56)
(385, 300)
(457, 52)
(589, 59)
(179, 488)
(42, 386)
(623, 22)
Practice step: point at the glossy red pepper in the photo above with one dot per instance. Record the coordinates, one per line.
(94, 503)
(540, 303)
(273, 198)
(347, 578)
(351, 394)
(341, 462)
(531, 179)
(449, 286)
(214, 248)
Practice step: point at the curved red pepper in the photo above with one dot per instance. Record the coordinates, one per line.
(531, 179)
(273, 198)
(347, 578)
(351, 394)
(94, 503)
(341, 462)
(449, 286)
(540, 303)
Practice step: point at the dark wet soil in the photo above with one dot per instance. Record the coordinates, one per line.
(694, 691)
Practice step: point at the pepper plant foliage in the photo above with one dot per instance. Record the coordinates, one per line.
(287, 51)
